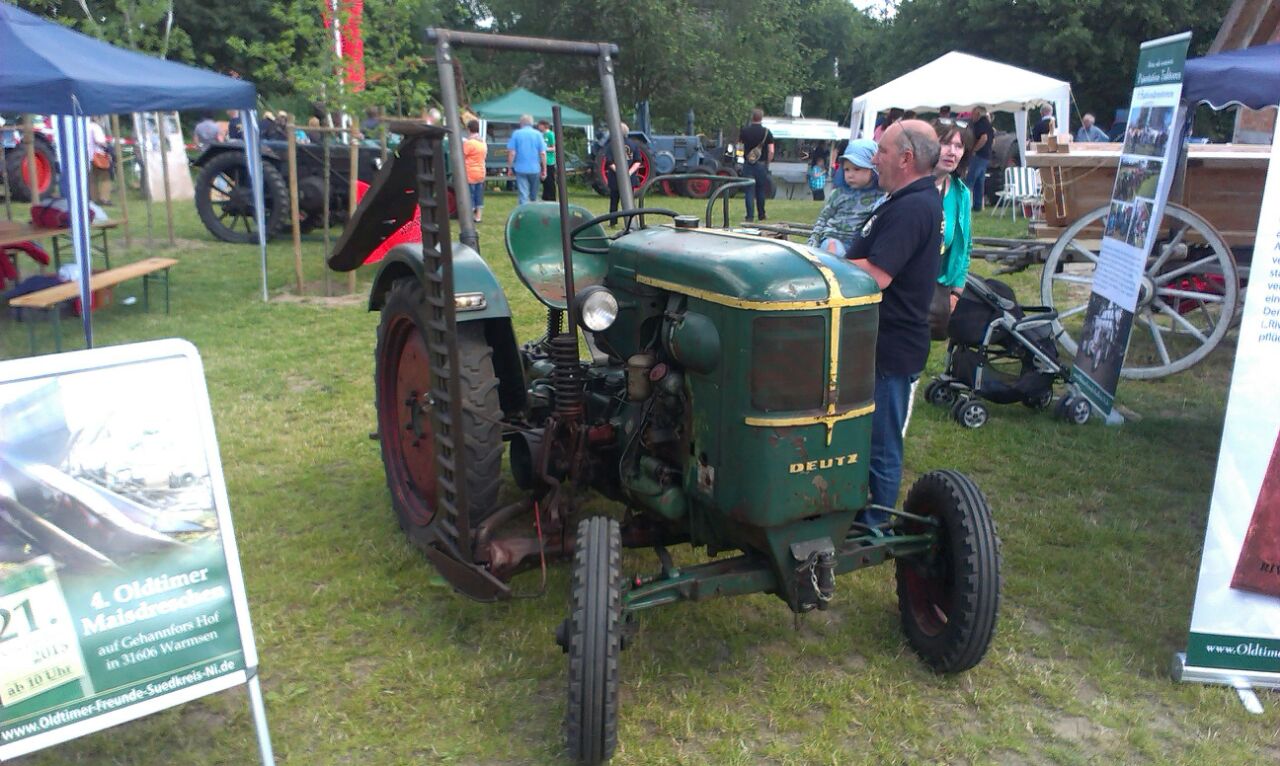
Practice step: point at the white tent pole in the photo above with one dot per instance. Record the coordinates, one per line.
(1020, 125)
(869, 112)
(1062, 108)
(253, 151)
(73, 159)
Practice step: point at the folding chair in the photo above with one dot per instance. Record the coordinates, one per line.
(1032, 192)
(1009, 194)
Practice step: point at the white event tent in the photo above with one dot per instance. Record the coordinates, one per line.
(962, 82)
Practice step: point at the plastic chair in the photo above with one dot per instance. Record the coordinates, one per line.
(1021, 188)
(1009, 194)
(1032, 192)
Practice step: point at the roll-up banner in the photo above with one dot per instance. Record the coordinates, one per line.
(1235, 624)
(120, 585)
(1147, 164)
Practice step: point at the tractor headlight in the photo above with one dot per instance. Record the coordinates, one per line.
(597, 308)
(468, 301)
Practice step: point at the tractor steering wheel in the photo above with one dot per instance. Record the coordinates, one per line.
(628, 214)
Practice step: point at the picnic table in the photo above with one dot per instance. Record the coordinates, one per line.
(13, 232)
(49, 300)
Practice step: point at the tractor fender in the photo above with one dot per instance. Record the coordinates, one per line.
(470, 275)
(214, 150)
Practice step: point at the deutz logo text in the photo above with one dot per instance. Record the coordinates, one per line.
(824, 464)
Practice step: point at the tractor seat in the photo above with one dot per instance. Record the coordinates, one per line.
(533, 242)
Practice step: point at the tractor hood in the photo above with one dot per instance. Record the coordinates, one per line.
(737, 269)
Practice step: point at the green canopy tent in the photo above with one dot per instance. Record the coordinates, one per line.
(509, 106)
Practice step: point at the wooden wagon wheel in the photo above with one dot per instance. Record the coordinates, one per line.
(1188, 295)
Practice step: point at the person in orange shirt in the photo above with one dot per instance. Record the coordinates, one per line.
(474, 151)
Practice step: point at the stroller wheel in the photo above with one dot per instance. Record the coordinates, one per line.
(1040, 401)
(1074, 409)
(970, 413)
(939, 394)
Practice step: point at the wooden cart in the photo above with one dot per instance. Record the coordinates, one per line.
(1221, 182)
(1191, 288)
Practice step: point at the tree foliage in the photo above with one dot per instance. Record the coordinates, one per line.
(1093, 44)
(717, 57)
(143, 25)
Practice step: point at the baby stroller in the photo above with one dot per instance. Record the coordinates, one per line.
(1002, 353)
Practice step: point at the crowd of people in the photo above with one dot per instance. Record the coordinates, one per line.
(901, 209)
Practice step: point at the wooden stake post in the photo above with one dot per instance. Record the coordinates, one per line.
(121, 180)
(294, 203)
(351, 202)
(164, 170)
(33, 172)
(294, 215)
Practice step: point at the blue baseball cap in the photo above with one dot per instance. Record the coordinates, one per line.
(860, 153)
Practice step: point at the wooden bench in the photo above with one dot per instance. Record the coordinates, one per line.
(13, 232)
(50, 299)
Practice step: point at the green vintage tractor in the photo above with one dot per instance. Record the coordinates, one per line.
(725, 406)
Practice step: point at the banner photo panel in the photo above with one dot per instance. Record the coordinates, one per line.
(1235, 624)
(1147, 165)
(120, 585)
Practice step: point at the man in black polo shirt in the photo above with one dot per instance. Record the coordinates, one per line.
(899, 248)
(757, 153)
(983, 135)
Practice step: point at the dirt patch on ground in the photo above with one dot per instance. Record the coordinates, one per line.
(202, 717)
(1078, 729)
(313, 295)
(297, 384)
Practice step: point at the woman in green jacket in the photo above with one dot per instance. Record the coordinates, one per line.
(957, 233)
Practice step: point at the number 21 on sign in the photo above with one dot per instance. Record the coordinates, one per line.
(39, 649)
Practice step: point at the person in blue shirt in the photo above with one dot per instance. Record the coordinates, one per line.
(527, 159)
(1090, 132)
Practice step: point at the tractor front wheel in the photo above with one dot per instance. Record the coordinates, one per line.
(594, 641)
(949, 595)
(402, 380)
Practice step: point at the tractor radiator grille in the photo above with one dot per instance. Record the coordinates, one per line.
(788, 363)
(857, 367)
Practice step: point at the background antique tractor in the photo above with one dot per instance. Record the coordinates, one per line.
(224, 195)
(726, 405)
(664, 154)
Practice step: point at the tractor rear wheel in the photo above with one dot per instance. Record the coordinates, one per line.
(949, 595)
(594, 641)
(699, 188)
(402, 380)
(224, 198)
(20, 171)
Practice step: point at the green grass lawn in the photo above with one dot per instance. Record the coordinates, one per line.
(368, 658)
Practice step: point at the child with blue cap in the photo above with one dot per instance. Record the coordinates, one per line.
(852, 203)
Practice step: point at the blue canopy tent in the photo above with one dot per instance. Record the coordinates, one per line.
(1246, 77)
(48, 68)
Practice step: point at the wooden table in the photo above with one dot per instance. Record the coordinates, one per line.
(13, 232)
(1223, 183)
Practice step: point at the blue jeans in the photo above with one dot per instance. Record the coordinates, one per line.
(892, 398)
(977, 179)
(755, 195)
(527, 185)
(477, 195)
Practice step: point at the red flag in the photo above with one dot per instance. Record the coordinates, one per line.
(350, 43)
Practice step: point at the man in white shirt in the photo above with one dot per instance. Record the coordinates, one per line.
(99, 164)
